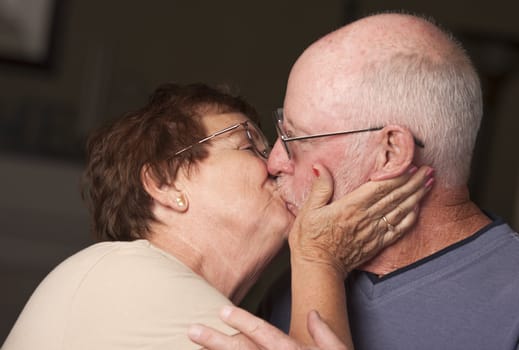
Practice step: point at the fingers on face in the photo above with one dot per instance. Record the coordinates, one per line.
(399, 217)
(379, 197)
(321, 190)
(381, 189)
(403, 199)
(398, 205)
(402, 217)
(398, 230)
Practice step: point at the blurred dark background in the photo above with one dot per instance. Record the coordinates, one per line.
(68, 66)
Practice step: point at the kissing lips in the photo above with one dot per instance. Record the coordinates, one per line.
(291, 208)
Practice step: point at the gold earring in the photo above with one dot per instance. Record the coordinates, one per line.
(180, 201)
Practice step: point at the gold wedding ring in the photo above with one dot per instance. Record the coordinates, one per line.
(389, 226)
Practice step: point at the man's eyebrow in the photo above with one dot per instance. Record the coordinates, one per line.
(293, 128)
(289, 124)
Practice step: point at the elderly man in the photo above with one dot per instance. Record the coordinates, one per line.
(361, 101)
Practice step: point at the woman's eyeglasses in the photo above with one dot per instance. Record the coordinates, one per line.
(258, 141)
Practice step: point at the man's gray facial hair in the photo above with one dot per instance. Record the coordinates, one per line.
(345, 180)
(289, 195)
(353, 174)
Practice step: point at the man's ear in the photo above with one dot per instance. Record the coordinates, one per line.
(166, 195)
(395, 152)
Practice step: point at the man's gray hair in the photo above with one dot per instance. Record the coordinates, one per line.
(438, 97)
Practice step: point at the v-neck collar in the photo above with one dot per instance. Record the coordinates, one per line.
(432, 267)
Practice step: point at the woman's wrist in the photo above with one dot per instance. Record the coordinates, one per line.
(317, 260)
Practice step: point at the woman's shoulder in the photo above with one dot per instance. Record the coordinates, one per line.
(113, 288)
(139, 260)
(140, 249)
(133, 258)
(138, 271)
(118, 262)
(129, 270)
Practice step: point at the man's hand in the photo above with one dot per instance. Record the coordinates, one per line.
(258, 334)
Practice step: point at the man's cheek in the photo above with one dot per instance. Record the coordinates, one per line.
(304, 186)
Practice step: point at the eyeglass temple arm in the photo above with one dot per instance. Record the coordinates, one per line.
(296, 138)
(288, 139)
(208, 138)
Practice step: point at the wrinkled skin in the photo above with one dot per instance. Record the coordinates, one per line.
(350, 231)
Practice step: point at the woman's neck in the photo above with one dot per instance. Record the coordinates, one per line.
(447, 216)
(206, 261)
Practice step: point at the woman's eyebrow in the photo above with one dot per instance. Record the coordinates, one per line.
(237, 135)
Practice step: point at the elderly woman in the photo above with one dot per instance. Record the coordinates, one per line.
(189, 217)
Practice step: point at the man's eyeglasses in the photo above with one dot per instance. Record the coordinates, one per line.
(285, 139)
(258, 141)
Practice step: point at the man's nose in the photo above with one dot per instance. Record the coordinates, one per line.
(278, 162)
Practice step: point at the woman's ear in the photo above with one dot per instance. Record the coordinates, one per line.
(166, 195)
(394, 153)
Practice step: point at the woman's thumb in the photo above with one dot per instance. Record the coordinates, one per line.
(322, 188)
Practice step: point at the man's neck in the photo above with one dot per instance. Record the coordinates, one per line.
(446, 217)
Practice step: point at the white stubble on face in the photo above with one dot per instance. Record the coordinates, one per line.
(294, 194)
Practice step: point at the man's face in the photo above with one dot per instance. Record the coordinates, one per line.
(315, 103)
(341, 155)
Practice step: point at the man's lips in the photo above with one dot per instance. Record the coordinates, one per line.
(289, 205)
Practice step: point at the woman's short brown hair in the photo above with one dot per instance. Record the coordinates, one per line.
(111, 184)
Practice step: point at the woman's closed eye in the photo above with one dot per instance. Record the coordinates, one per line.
(247, 147)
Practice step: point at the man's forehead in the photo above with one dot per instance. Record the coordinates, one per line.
(312, 102)
(300, 119)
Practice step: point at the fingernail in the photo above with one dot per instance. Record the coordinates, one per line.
(429, 183)
(194, 331)
(316, 171)
(412, 169)
(226, 311)
(429, 172)
(416, 208)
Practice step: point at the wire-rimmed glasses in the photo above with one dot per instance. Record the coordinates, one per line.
(285, 139)
(258, 141)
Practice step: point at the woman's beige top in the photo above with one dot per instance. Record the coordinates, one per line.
(117, 295)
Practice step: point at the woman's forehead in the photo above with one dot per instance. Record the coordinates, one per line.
(216, 122)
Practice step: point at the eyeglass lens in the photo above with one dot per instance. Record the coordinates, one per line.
(278, 122)
(257, 139)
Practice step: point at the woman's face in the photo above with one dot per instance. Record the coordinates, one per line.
(231, 193)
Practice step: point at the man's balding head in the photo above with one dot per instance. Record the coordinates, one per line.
(394, 69)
